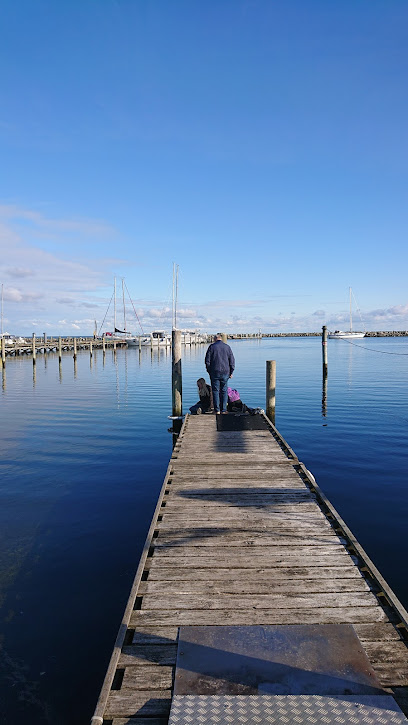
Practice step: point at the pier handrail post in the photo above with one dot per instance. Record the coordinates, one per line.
(34, 350)
(324, 350)
(59, 349)
(271, 389)
(177, 397)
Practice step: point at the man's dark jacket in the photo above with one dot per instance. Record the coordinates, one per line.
(219, 359)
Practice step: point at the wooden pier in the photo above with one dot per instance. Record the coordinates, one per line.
(242, 535)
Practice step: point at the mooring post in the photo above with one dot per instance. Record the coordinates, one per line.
(177, 397)
(34, 350)
(324, 350)
(3, 352)
(90, 348)
(114, 347)
(59, 349)
(271, 389)
(103, 344)
(75, 349)
(140, 343)
(44, 340)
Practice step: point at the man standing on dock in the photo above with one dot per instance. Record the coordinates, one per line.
(220, 365)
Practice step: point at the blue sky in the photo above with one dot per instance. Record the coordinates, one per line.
(259, 144)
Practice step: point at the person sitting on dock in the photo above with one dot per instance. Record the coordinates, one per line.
(236, 405)
(205, 404)
(220, 364)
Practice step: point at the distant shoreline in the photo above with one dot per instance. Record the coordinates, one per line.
(379, 333)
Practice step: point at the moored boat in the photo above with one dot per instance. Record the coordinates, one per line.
(347, 334)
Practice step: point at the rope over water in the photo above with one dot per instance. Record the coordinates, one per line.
(383, 352)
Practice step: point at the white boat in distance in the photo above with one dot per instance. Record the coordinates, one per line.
(348, 334)
(158, 338)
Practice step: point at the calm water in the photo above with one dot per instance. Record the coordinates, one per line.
(83, 453)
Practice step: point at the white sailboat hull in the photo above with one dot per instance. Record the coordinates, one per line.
(340, 335)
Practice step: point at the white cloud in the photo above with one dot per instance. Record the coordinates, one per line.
(14, 213)
(18, 272)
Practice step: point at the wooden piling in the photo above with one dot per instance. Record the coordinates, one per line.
(44, 340)
(103, 343)
(59, 349)
(271, 389)
(34, 350)
(90, 348)
(324, 350)
(176, 373)
(3, 352)
(114, 347)
(75, 347)
(140, 343)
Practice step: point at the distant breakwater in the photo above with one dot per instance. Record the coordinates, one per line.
(378, 333)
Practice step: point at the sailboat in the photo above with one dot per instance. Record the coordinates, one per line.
(118, 334)
(349, 334)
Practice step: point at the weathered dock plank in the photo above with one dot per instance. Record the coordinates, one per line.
(241, 537)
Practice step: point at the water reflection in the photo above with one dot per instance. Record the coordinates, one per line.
(324, 395)
(3, 378)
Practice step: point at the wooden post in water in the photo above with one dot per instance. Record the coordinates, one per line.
(324, 350)
(140, 343)
(271, 389)
(34, 350)
(103, 344)
(59, 349)
(90, 348)
(44, 340)
(114, 347)
(75, 349)
(3, 352)
(177, 397)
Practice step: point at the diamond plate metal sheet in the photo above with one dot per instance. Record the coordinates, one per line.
(285, 710)
(323, 659)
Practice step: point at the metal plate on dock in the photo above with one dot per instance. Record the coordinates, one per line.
(285, 709)
(240, 422)
(323, 659)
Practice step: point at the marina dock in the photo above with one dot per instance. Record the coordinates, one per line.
(243, 542)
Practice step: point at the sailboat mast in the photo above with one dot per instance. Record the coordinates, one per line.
(124, 306)
(175, 299)
(351, 320)
(172, 298)
(2, 310)
(114, 304)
